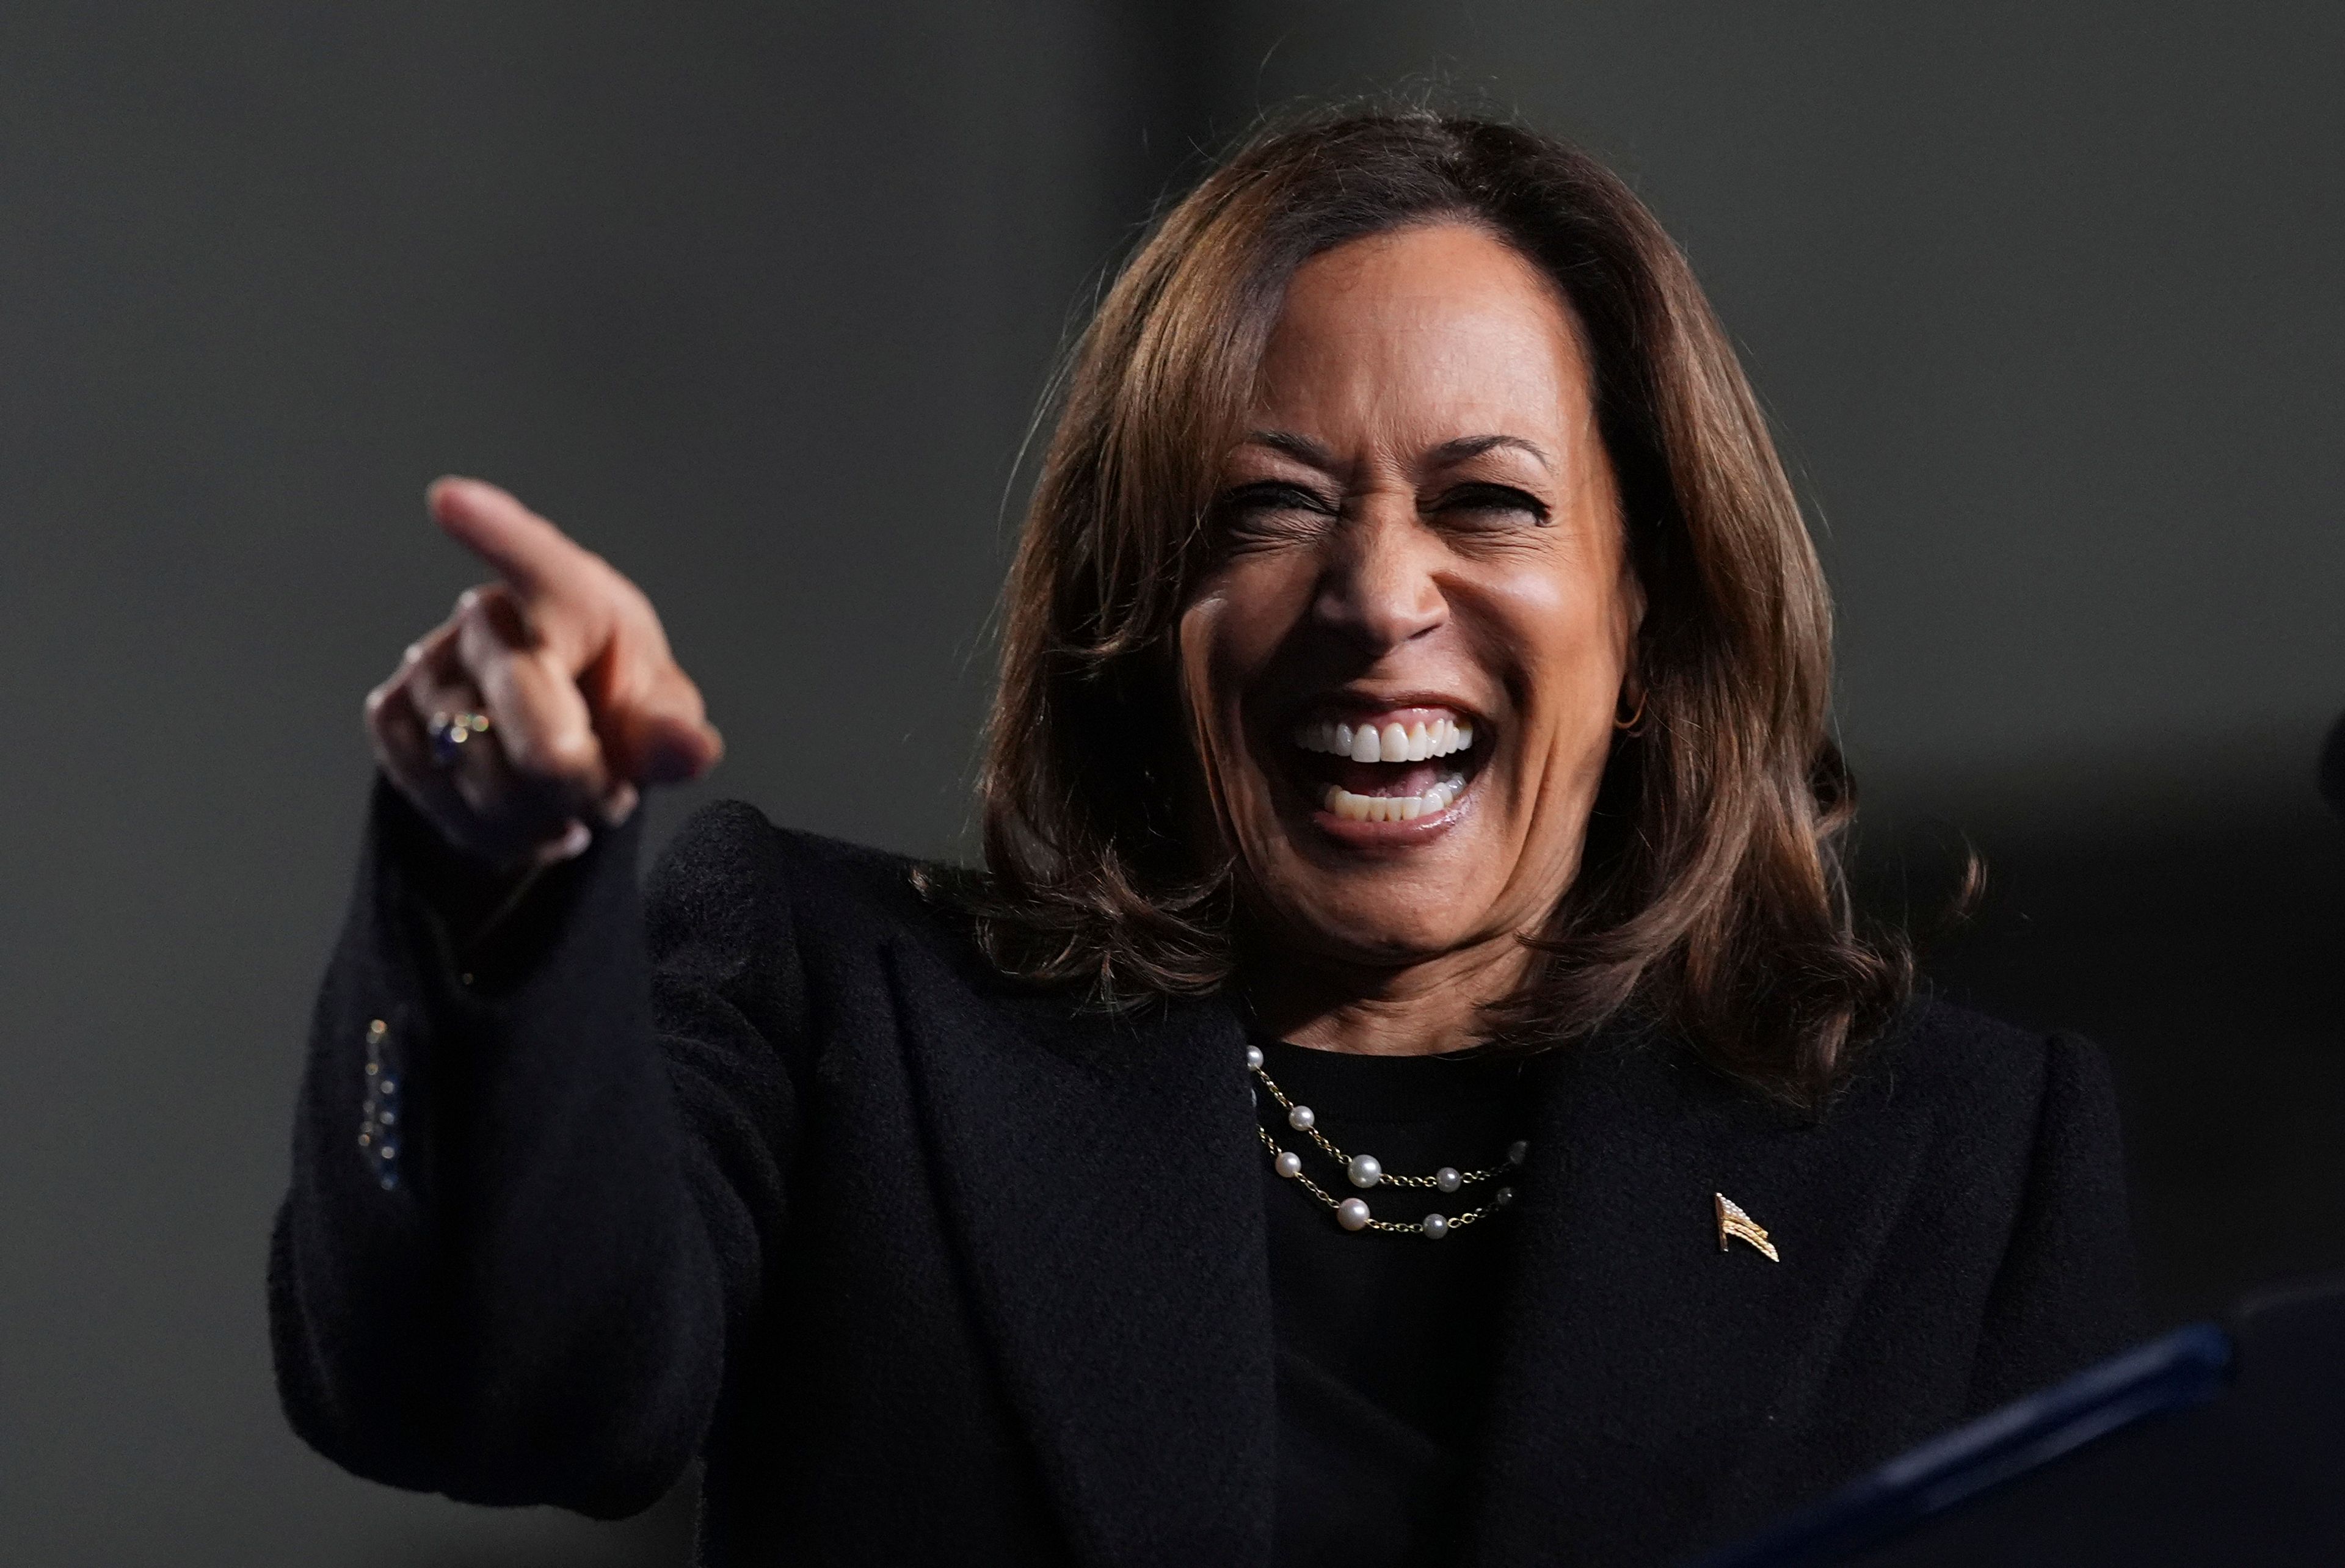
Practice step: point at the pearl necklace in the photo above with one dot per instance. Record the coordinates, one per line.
(1363, 1172)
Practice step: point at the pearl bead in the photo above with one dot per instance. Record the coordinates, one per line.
(1503, 1196)
(1253, 1057)
(1300, 1118)
(1288, 1163)
(1435, 1227)
(1364, 1170)
(1447, 1179)
(1517, 1151)
(1352, 1214)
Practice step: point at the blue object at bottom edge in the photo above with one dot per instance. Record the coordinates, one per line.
(2187, 1367)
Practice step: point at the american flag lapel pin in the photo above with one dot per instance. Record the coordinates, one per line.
(1733, 1223)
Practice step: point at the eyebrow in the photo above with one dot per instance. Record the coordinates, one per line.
(1303, 450)
(1466, 447)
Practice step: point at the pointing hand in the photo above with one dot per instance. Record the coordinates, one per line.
(565, 660)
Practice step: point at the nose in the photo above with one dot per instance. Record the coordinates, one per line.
(1378, 588)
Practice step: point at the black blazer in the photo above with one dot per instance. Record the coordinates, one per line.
(768, 1167)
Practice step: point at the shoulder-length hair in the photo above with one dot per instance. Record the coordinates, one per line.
(1711, 900)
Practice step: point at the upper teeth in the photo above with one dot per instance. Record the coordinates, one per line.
(1390, 743)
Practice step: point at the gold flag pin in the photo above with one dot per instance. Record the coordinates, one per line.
(1733, 1222)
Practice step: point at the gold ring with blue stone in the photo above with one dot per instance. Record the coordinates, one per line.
(450, 732)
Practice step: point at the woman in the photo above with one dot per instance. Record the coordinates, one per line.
(1413, 712)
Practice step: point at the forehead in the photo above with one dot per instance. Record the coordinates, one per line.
(1422, 330)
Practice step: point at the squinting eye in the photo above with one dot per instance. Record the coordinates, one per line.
(1493, 502)
(1271, 511)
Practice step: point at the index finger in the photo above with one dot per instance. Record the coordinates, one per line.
(535, 558)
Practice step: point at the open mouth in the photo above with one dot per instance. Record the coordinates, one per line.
(1403, 764)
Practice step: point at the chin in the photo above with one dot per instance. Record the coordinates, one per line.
(1374, 945)
(1379, 910)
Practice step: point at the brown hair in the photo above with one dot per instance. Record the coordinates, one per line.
(1710, 899)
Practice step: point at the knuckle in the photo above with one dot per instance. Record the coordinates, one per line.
(573, 754)
(524, 752)
(562, 755)
(384, 700)
(489, 667)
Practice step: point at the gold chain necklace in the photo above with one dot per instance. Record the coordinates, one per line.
(1364, 1172)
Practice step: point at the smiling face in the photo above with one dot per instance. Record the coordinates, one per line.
(1402, 668)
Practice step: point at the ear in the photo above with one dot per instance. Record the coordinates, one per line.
(1630, 619)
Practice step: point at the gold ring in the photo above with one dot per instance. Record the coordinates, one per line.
(451, 732)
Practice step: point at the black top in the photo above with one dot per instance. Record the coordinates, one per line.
(1386, 1341)
(768, 1166)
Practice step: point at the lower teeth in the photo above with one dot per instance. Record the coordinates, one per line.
(1393, 807)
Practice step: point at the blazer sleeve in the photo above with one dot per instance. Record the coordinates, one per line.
(2066, 1293)
(537, 1184)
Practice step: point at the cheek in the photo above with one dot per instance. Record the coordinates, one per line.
(1215, 663)
(1229, 636)
(1565, 643)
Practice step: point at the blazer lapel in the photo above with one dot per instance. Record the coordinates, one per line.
(1646, 1376)
(1103, 1176)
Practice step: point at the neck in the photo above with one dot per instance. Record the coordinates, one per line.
(1419, 1009)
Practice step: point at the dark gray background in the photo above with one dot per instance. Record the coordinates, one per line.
(757, 299)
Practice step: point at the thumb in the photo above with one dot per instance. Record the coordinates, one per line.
(665, 736)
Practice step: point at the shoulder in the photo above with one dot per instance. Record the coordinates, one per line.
(730, 875)
(1985, 1080)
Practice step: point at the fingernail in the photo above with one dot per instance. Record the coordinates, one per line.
(620, 804)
